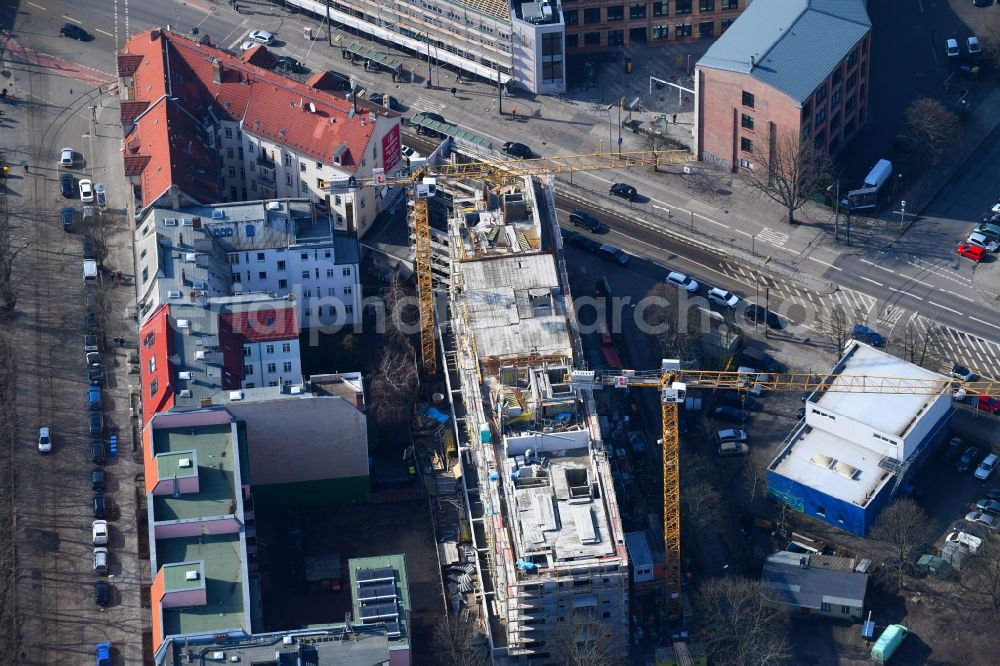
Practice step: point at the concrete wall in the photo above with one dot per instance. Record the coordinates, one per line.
(185, 598)
(188, 528)
(198, 417)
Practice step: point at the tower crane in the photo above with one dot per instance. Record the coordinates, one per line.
(673, 382)
(421, 183)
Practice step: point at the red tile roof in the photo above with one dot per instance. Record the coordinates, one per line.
(132, 109)
(155, 346)
(268, 104)
(265, 324)
(128, 63)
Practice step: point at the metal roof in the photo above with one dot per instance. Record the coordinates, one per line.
(811, 586)
(790, 45)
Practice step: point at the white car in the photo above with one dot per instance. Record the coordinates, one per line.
(682, 281)
(984, 519)
(86, 190)
(972, 46)
(261, 37)
(247, 45)
(410, 154)
(985, 469)
(722, 297)
(100, 532)
(44, 440)
(951, 48)
(976, 238)
(66, 157)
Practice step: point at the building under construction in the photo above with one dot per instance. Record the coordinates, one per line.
(551, 558)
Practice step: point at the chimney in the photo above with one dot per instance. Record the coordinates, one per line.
(175, 198)
(216, 70)
(154, 35)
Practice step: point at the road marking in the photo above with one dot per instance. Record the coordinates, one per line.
(871, 280)
(70, 18)
(984, 322)
(38, 7)
(721, 224)
(944, 307)
(772, 237)
(828, 265)
(951, 293)
(102, 32)
(913, 279)
(908, 294)
(881, 268)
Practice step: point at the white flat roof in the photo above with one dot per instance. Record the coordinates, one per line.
(798, 465)
(893, 413)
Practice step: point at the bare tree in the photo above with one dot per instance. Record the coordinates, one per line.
(394, 383)
(787, 171)
(99, 225)
(742, 626)
(701, 505)
(903, 527)
(837, 328)
(583, 640)
(922, 346)
(457, 642)
(756, 472)
(982, 575)
(675, 327)
(10, 249)
(931, 126)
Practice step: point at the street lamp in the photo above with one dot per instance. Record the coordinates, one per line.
(610, 106)
(620, 105)
(902, 214)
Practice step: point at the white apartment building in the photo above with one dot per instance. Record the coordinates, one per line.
(271, 363)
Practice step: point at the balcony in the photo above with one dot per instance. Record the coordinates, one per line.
(265, 161)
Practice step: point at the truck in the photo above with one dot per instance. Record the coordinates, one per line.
(870, 193)
(888, 643)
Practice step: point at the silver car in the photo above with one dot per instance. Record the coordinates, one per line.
(988, 506)
(730, 435)
(983, 519)
(722, 297)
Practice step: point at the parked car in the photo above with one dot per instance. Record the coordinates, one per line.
(74, 31)
(409, 153)
(738, 400)
(90, 343)
(988, 404)
(388, 101)
(101, 195)
(44, 440)
(94, 398)
(730, 435)
(951, 48)
(682, 281)
(93, 358)
(722, 297)
(974, 252)
(730, 414)
(515, 149)
(986, 467)
(613, 253)
(102, 593)
(97, 452)
(99, 530)
(993, 494)
(761, 315)
(983, 519)
(261, 37)
(101, 563)
(989, 244)
(66, 217)
(800, 413)
(972, 46)
(989, 229)
(287, 64)
(98, 480)
(66, 157)
(100, 506)
(67, 185)
(86, 190)
(95, 375)
(967, 541)
(90, 321)
(624, 190)
(963, 373)
(582, 242)
(88, 247)
(969, 458)
(96, 424)
(867, 335)
(728, 449)
(581, 218)
(953, 448)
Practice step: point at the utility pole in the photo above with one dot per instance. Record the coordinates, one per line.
(329, 33)
(428, 35)
(499, 89)
(620, 105)
(767, 307)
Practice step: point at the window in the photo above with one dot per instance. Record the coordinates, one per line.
(288, 179)
(347, 272)
(818, 143)
(845, 610)
(820, 94)
(304, 256)
(591, 38)
(319, 165)
(247, 350)
(572, 17)
(806, 129)
(834, 122)
(725, 23)
(272, 383)
(302, 166)
(616, 13)
(282, 284)
(237, 277)
(305, 275)
(660, 32)
(552, 58)
(281, 265)
(706, 6)
(247, 370)
(269, 349)
(838, 74)
(592, 15)
(747, 99)
(825, 607)
(746, 122)
(154, 386)
(286, 366)
(229, 153)
(262, 275)
(730, 4)
(661, 8)
(260, 257)
(145, 273)
(616, 37)
(820, 116)
(682, 7)
(706, 29)
(821, 511)
(152, 364)
(682, 30)
(288, 160)
(348, 291)
(332, 291)
(286, 347)
(852, 81)
(149, 340)
(229, 132)
(746, 164)
(232, 172)
(852, 59)
(835, 97)
(572, 41)
(327, 254)
(348, 309)
(849, 104)
(637, 11)
(272, 368)
(746, 145)
(308, 293)
(251, 149)
(329, 272)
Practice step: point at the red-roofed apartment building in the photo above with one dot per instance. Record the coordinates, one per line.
(203, 126)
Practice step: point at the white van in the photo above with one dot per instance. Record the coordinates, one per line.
(89, 271)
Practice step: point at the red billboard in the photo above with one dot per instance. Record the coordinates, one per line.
(391, 149)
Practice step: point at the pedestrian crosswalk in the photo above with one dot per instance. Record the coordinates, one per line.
(772, 237)
(424, 104)
(923, 339)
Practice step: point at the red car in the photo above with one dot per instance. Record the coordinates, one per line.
(988, 404)
(970, 251)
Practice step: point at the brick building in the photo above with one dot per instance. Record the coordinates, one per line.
(786, 68)
(594, 25)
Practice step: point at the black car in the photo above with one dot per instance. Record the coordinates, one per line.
(969, 458)
(581, 218)
(88, 247)
(96, 424)
(759, 314)
(963, 373)
(102, 593)
(388, 101)
(90, 321)
(67, 185)
(95, 375)
(982, 3)
(625, 191)
(75, 32)
(287, 64)
(730, 414)
(582, 242)
(98, 480)
(515, 149)
(97, 452)
(100, 507)
(66, 215)
(734, 399)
